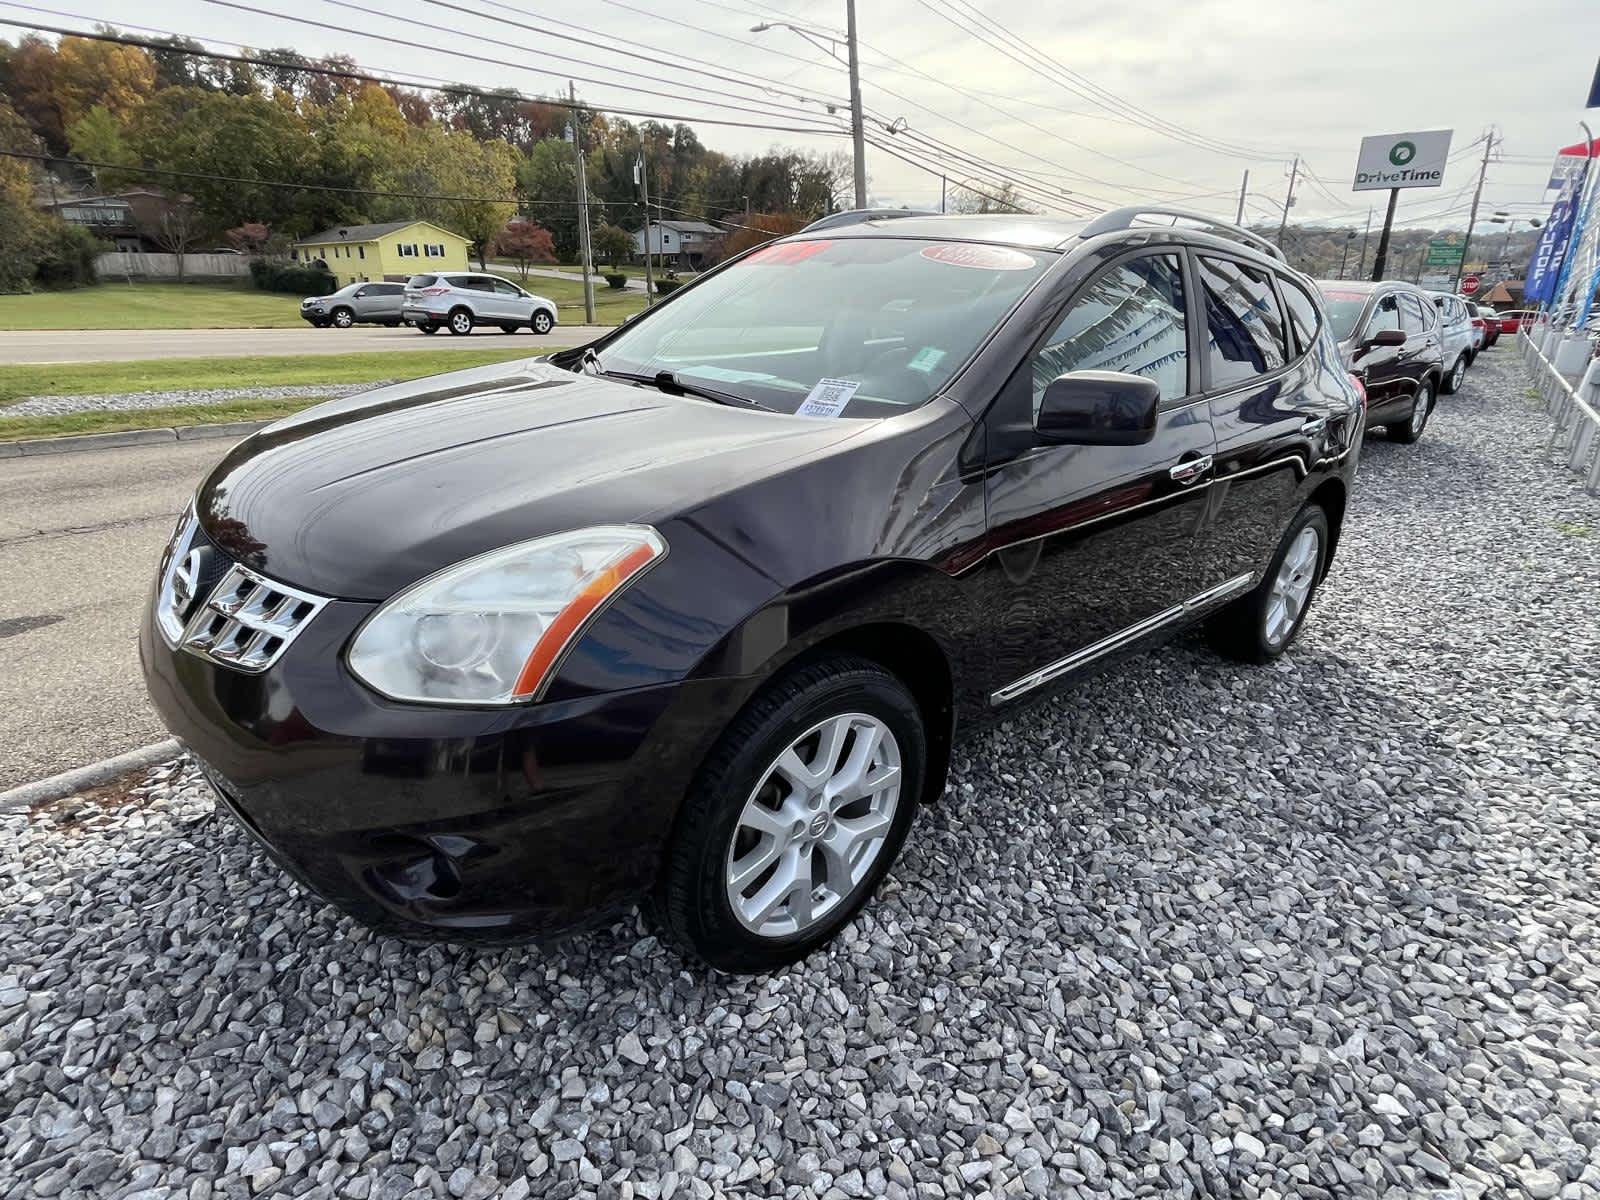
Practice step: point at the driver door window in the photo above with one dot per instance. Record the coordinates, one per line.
(1385, 316)
(1131, 319)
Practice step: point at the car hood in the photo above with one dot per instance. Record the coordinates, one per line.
(360, 497)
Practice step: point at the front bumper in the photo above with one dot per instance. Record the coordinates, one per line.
(314, 315)
(465, 824)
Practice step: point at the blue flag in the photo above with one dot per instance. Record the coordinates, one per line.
(1551, 252)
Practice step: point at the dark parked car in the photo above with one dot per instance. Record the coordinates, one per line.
(692, 614)
(1390, 340)
(355, 304)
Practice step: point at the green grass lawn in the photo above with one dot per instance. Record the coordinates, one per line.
(610, 307)
(170, 374)
(111, 305)
(16, 429)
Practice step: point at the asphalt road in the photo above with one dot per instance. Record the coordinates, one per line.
(79, 538)
(118, 345)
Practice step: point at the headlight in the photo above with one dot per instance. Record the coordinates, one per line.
(490, 630)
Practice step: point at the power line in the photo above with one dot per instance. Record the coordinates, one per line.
(389, 80)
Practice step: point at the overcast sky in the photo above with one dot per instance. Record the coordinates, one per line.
(1228, 85)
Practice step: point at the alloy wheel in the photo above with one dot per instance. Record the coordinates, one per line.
(1419, 410)
(343, 319)
(460, 323)
(814, 825)
(1457, 372)
(1291, 588)
(541, 322)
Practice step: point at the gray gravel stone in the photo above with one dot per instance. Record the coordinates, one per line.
(55, 406)
(1328, 928)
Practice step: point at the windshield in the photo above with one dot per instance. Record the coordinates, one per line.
(853, 327)
(1344, 309)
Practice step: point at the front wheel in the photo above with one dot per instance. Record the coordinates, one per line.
(1411, 428)
(543, 322)
(1258, 627)
(795, 817)
(1458, 372)
(460, 322)
(343, 318)
(508, 327)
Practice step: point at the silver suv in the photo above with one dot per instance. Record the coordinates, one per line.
(366, 303)
(457, 302)
(1456, 338)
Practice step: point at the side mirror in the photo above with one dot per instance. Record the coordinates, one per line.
(1099, 408)
(1387, 337)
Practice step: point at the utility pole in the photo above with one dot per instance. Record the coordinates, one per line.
(1345, 253)
(1362, 265)
(1472, 218)
(641, 176)
(583, 209)
(1244, 185)
(1288, 199)
(857, 129)
(941, 193)
(1380, 258)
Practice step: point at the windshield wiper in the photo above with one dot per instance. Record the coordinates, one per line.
(669, 383)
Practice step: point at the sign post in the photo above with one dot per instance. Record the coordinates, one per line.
(1399, 160)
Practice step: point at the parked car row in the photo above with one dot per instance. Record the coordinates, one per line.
(458, 302)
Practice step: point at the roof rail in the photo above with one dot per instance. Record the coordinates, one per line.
(856, 216)
(1123, 218)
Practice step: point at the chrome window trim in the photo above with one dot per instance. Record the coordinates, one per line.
(1132, 633)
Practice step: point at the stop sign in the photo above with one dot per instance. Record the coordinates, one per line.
(1469, 286)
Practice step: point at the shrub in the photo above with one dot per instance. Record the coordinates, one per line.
(668, 284)
(296, 278)
(66, 255)
(616, 280)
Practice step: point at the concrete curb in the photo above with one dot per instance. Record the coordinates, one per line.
(128, 437)
(104, 771)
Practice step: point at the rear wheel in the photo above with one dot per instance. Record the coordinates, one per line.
(795, 817)
(428, 327)
(508, 328)
(543, 322)
(1411, 428)
(459, 322)
(343, 318)
(1258, 627)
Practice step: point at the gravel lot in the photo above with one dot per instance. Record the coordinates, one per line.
(1327, 929)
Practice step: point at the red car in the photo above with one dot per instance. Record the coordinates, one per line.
(1485, 325)
(1514, 319)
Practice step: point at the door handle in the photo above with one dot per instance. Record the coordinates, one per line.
(1191, 469)
(1312, 426)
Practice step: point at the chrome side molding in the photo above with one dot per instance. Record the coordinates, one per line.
(1087, 654)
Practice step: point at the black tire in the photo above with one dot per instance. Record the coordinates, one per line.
(1409, 430)
(342, 318)
(459, 322)
(1454, 377)
(511, 328)
(428, 327)
(542, 322)
(392, 324)
(1239, 631)
(690, 903)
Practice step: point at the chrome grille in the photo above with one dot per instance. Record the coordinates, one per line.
(223, 611)
(248, 620)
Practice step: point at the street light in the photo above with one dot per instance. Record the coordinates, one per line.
(857, 129)
(1501, 217)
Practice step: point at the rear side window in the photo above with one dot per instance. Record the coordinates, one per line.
(422, 281)
(1130, 319)
(1303, 312)
(460, 281)
(1246, 330)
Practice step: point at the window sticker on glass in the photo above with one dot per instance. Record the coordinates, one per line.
(785, 254)
(984, 258)
(925, 359)
(828, 398)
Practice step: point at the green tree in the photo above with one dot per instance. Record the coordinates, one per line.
(547, 183)
(20, 232)
(97, 137)
(613, 243)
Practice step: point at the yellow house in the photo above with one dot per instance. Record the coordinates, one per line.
(394, 250)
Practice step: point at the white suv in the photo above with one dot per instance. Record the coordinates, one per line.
(457, 302)
(1457, 339)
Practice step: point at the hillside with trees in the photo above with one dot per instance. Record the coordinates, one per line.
(290, 148)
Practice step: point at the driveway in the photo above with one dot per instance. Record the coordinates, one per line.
(1327, 928)
(119, 345)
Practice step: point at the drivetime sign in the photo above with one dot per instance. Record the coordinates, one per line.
(1402, 160)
